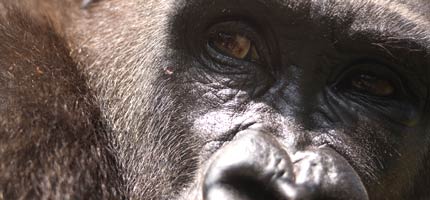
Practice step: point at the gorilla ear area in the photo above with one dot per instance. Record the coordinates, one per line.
(215, 99)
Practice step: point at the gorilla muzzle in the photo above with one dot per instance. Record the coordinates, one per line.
(256, 166)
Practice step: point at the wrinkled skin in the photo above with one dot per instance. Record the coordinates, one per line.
(170, 116)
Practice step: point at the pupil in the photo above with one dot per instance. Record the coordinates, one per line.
(226, 41)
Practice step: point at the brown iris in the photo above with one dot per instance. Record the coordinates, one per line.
(373, 85)
(236, 46)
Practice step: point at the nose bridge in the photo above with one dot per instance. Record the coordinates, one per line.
(291, 133)
(299, 97)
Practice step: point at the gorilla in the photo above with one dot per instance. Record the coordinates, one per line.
(214, 99)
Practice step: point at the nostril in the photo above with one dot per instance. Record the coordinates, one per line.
(249, 188)
(240, 188)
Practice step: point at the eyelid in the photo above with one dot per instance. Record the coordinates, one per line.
(370, 66)
(229, 64)
(233, 27)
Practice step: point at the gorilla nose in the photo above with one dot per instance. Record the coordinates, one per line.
(255, 166)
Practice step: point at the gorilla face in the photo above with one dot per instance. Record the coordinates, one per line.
(289, 98)
(248, 99)
(263, 99)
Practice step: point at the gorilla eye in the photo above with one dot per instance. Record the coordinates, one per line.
(371, 79)
(235, 45)
(372, 85)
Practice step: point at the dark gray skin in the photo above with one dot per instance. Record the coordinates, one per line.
(162, 114)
